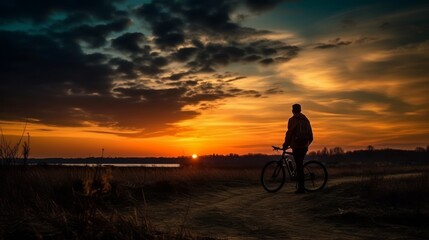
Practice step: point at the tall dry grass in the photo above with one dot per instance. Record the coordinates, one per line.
(11, 152)
(365, 170)
(97, 203)
(395, 203)
(409, 192)
(399, 201)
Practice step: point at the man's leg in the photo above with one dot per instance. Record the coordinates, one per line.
(299, 154)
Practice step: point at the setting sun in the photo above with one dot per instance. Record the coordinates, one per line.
(194, 156)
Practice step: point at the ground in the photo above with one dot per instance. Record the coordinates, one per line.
(248, 212)
(207, 203)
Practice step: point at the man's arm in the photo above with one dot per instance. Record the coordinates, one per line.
(290, 127)
(311, 135)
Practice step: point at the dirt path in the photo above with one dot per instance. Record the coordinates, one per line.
(251, 213)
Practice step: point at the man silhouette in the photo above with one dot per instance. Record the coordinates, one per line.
(299, 136)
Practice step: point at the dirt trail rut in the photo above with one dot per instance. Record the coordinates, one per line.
(249, 212)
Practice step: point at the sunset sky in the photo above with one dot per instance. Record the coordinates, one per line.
(170, 78)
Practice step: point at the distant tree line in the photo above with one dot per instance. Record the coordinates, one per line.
(339, 150)
(370, 155)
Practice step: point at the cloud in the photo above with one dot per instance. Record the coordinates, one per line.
(129, 42)
(267, 61)
(251, 58)
(372, 88)
(185, 53)
(65, 87)
(333, 44)
(78, 67)
(96, 35)
(18, 10)
(262, 5)
(172, 21)
(124, 66)
(214, 55)
(38, 60)
(165, 26)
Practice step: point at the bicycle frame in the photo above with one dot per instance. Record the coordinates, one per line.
(273, 175)
(289, 162)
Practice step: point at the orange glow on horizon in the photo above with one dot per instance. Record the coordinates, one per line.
(347, 106)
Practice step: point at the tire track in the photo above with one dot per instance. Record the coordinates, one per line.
(251, 213)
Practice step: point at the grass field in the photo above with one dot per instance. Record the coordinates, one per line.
(192, 203)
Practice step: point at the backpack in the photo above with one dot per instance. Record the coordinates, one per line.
(303, 132)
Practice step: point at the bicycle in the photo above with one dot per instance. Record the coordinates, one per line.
(273, 175)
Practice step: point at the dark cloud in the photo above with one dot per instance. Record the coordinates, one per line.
(61, 87)
(235, 79)
(267, 61)
(184, 54)
(191, 83)
(171, 21)
(59, 94)
(167, 28)
(197, 43)
(170, 39)
(262, 5)
(174, 23)
(177, 76)
(235, 53)
(150, 70)
(275, 49)
(96, 35)
(159, 61)
(252, 58)
(38, 60)
(39, 11)
(269, 51)
(210, 16)
(333, 44)
(124, 66)
(209, 57)
(81, 65)
(153, 65)
(282, 59)
(129, 42)
(273, 91)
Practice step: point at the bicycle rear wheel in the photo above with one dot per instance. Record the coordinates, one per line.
(273, 176)
(315, 176)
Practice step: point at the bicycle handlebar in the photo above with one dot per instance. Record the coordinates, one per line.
(275, 148)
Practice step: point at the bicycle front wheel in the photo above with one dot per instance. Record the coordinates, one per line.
(315, 176)
(273, 176)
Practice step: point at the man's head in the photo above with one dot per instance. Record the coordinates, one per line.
(296, 108)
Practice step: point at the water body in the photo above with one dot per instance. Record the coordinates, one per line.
(147, 165)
